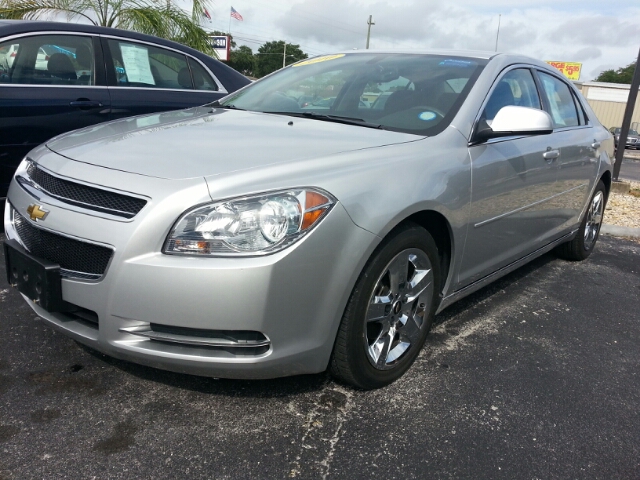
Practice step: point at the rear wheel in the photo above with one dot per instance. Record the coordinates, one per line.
(585, 240)
(390, 311)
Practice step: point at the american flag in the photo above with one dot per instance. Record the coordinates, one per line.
(206, 13)
(235, 14)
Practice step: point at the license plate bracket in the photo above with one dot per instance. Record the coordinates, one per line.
(34, 277)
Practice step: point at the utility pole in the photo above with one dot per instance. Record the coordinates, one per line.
(498, 32)
(626, 120)
(284, 55)
(369, 22)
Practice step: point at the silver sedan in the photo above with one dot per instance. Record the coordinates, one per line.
(277, 233)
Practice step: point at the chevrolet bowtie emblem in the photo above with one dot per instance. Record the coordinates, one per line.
(36, 213)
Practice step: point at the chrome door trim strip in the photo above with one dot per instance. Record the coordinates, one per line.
(39, 85)
(55, 32)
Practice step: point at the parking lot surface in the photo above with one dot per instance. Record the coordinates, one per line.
(630, 169)
(535, 376)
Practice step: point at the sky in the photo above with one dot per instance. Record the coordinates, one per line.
(603, 34)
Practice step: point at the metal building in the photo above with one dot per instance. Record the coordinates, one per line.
(608, 101)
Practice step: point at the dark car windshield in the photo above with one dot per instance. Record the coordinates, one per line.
(410, 93)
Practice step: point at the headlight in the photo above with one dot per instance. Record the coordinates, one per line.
(254, 225)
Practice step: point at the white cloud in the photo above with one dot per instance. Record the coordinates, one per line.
(600, 35)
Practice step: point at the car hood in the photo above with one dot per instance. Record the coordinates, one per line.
(207, 141)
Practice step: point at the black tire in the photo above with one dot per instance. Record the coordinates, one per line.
(382, 299)
(585, 240)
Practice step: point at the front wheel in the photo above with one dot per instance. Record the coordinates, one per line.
(390, 311)
(585, 240)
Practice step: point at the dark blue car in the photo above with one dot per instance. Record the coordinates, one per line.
(56, 77)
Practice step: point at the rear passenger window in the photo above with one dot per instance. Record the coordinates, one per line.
(140, 65)
(582, 117)
(201, 79)
(562, 106)
(48, 60)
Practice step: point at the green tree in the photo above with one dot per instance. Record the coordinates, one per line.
(269, 57)
(622, 75)
(153, 17)
(243, 60)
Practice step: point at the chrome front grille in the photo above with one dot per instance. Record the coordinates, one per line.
(77, 259)
(84, 196)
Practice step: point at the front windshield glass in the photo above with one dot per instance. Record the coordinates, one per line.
(409, 93)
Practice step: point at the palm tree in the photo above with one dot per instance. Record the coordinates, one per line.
(153, 17)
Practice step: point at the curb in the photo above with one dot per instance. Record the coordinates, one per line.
(618, 231)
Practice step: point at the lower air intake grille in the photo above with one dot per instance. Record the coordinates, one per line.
(76, 258)
(85, 196)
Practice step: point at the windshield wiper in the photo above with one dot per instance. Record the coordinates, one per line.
(229, 106)
(332, 118)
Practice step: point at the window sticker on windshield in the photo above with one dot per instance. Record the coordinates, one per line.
(450, 62)
(427, 116)
(136, 64)
(324, 58)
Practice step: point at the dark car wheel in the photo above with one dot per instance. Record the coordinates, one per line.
(390, 311)
(585, 240)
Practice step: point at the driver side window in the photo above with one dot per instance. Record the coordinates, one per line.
(515, 88)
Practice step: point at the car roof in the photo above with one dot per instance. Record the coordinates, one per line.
(500, 59)
(454, 53)
(12, 27)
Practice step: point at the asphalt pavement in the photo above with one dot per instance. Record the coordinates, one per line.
(630, 169)
(534, 377)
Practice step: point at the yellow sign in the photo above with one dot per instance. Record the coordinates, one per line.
(571, 70)
(318, 60)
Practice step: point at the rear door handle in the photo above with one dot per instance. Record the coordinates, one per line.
(85, 104)
(551, 154)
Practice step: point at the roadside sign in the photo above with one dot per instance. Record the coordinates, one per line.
(571, 70)
(221, 45)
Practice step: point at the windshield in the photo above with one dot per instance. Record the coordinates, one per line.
(410, 93)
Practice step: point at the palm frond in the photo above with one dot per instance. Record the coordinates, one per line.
(153, 17)
(170, 22)
(44, 9)
(197, 10)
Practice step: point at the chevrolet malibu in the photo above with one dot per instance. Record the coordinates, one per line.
(254, 238)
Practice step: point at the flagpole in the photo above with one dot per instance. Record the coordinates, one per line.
(229, 30)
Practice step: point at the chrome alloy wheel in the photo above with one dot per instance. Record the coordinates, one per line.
(397, 310)
(594, 220)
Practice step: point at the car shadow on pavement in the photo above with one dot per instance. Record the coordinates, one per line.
(494, 287)
(271, 388)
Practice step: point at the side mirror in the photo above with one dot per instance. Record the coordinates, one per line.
(512, 120)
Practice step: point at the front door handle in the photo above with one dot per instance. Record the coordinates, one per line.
(85, 104)
(551, 155)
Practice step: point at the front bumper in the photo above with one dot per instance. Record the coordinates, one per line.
(294, 298)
